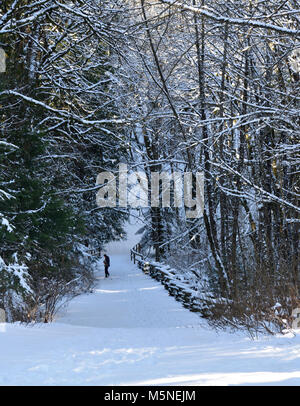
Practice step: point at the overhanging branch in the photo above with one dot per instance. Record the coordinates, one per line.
(233, 21)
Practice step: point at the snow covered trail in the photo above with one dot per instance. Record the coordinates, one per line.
(127, 299)
(130, 332)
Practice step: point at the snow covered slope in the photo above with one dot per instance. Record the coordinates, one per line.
(130, 332)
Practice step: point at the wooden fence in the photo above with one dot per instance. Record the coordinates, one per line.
(175, 285)
(135, 253)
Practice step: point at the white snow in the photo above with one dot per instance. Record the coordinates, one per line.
(130, 332)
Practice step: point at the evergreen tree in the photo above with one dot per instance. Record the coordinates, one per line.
(56, 112)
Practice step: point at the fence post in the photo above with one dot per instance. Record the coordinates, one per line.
(135, 252)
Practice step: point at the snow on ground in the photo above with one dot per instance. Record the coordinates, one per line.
(130, 332)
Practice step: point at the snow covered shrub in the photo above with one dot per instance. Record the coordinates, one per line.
(265, 306)
(15, 289)
(54, 288)
(84, 273)
(49, 296)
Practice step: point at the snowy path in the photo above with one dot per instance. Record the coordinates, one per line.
(127, 299)
(130, 332)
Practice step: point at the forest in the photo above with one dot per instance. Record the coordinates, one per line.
(197, 86)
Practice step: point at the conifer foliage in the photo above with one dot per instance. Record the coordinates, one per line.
(58, 128)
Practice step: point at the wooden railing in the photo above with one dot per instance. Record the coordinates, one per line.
(135, 252)
(177, 286)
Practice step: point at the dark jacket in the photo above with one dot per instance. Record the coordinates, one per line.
(106, 260)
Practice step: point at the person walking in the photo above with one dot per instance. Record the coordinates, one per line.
(106, 263)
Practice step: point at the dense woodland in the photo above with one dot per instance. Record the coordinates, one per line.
(197, 86)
